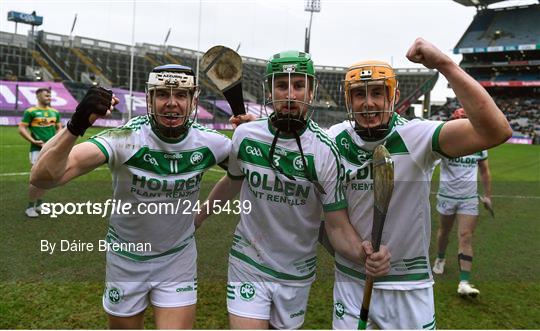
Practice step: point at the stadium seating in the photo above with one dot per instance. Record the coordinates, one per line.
(15, 57)
(521, 109)
(502, 27)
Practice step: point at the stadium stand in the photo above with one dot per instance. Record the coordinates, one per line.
(17, 60)
(501, 49)
(81, 62)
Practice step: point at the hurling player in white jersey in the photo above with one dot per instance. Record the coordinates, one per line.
(154, 159)
(403, 299)
(457, 200)
(289, 170)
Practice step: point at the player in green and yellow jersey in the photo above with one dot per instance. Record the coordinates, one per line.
(39, 124)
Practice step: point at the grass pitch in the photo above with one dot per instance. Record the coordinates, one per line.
(63, 290)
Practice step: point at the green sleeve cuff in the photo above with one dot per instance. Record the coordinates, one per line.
(435, 141)
(335, 206)
(101, 148)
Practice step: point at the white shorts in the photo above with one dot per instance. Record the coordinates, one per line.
(389, 309)
(167, 281)
(284, 305)
(33, 156)
(447, 206)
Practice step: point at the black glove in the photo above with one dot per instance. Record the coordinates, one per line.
(96, 101)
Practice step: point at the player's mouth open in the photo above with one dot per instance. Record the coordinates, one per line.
(171, 118)
(369, 115)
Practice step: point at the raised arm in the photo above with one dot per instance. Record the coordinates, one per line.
(59, 160)
(485, 127)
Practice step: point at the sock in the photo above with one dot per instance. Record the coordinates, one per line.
(464, 276)
(440, 255)
(31, 204)
(39, 202)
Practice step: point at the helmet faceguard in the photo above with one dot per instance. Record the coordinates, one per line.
(171, 93)
(375, 83)
(290, 74)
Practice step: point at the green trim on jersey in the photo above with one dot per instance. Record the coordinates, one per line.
(397, 120)
(350, 151)
(301, 266)
(230, 292)
(335, 206)
(239, 241)
(435, 141)
(356, 155)
(112, 237)
(101, 148)
(307, 265)
(396, 145)
(257, 152)
(267, 270)
(134, 124)
(167, 163)
(339, 193)
(201, 127)
(390, 278)
(431, 325)
(414, 263)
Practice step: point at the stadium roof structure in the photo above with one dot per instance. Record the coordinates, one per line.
(477, 3)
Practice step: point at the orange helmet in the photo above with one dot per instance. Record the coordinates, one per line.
(371, 71)
(362, 75)
(458, 113)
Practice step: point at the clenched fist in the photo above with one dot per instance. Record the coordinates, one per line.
(427, 54)
(97, 103)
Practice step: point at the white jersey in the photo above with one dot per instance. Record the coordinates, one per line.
(459, 176)
(278, 239)
(413, 146)
(150, 171)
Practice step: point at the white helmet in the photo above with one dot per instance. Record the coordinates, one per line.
(172, 77)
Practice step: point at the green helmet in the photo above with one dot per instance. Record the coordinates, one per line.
(290, 62)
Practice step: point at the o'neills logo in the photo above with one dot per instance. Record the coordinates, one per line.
(175, 156)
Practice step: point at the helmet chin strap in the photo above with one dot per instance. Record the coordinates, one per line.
(287, 124)
(172, 132)
(372, 134)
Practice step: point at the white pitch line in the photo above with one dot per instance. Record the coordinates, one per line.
(516, 196)
(508, 196)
